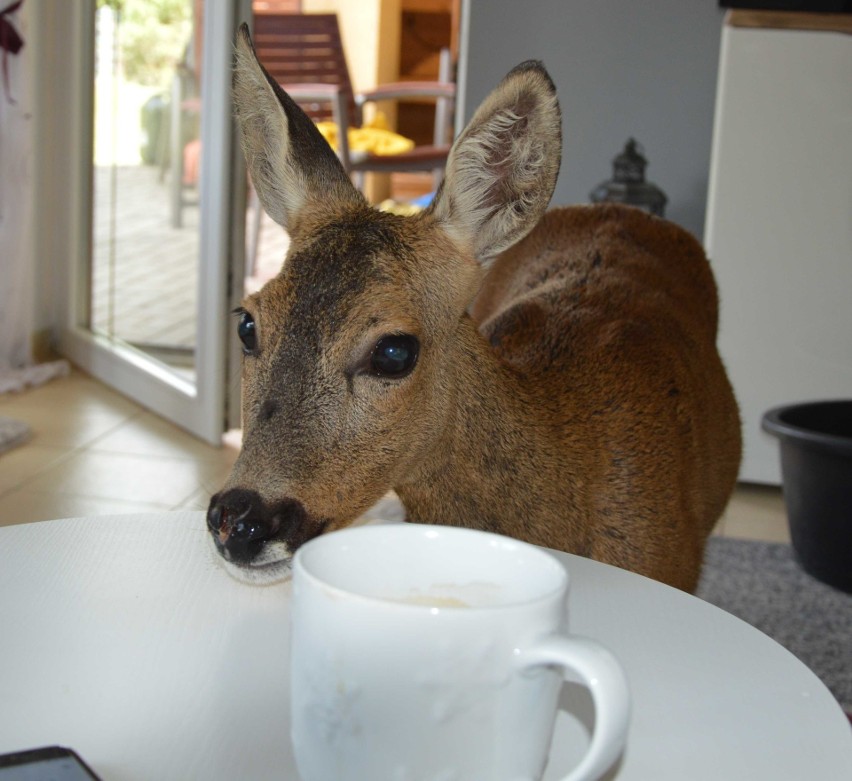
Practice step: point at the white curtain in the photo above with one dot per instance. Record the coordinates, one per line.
(17, 138)
(17, 215)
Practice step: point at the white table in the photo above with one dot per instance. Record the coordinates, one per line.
(124, 638)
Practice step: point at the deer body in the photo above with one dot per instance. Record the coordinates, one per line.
(597, 417)
(551, 377)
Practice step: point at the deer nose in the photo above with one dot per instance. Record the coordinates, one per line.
(236, 520)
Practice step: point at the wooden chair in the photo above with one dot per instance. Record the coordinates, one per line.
(304, 53)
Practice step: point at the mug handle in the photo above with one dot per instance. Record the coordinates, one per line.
(601, 673)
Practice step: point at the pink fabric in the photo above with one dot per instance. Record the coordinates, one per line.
(10, 43)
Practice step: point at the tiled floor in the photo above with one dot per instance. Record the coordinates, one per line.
(95, 452)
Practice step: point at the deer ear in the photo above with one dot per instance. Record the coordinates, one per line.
(290, 163)
(502, 169)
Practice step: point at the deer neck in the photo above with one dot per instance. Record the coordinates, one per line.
(481, 460)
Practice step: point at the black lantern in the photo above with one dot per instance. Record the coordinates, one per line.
(628, 183)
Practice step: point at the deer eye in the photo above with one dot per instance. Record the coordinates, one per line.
(246, 332)
(394, 356)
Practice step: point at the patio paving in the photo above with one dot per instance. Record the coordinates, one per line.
(145, 272)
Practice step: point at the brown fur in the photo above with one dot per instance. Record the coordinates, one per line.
(610, 317)
(572, 396)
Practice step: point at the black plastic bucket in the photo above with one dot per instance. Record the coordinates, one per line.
(816, 470)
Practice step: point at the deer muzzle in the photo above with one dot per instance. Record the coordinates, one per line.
(243, 524)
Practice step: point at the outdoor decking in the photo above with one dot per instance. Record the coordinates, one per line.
(145, 272)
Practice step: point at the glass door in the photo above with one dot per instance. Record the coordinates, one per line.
(149, 312)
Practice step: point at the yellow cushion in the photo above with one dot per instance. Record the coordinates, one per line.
(374, 137)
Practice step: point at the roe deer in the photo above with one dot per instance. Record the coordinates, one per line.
(552, 377)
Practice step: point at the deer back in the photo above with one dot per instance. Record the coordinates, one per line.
(612, 315)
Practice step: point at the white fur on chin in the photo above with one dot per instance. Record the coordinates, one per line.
(273, 565)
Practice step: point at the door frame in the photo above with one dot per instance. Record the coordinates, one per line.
(199, 407)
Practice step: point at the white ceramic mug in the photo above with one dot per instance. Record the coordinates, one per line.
(431, 653)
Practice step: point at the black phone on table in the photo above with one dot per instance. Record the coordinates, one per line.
(51, 763)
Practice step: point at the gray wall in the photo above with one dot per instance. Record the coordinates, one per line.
(641, 68)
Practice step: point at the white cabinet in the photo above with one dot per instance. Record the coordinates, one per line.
(779, 223)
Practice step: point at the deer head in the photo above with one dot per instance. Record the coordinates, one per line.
(352, 353)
